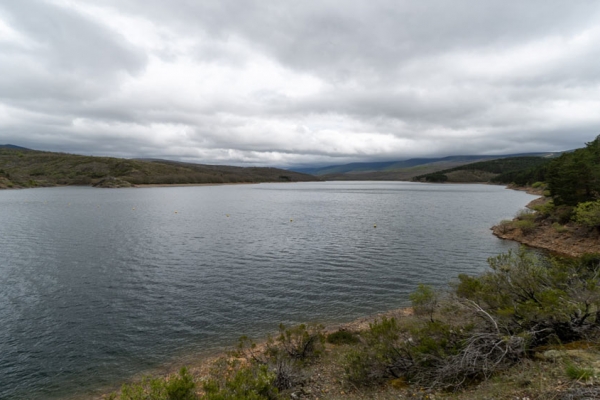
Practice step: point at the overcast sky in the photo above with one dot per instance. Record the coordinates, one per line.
(278, 82)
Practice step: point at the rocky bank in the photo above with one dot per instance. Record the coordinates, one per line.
(569, 239)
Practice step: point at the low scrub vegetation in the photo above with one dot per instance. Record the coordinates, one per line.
(342, 337)
(526, 307)
(525, 301)
(177, 387)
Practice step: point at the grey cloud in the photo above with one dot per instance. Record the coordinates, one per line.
(396, 79)
(350, 36)
(66, 57)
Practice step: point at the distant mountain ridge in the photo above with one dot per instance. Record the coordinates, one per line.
(386, 166)
(13, 147)
(405, 170)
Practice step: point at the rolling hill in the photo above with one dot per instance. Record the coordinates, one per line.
(20, 167)
(502, 170)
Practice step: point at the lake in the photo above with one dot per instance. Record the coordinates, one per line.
(100, 285)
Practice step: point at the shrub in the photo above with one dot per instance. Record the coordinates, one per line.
(526, 226)
(251, 382)
(543, 298)
(363, 368)
(505, 226)
(588, 214)
(433, 354)
(342, 337)
(178, 387)
(538, 184)
(284, 370)
(374, 361)
(562, 214)
(424, 300)
(546, 209)
(525, 214)
(300, 342)
(284, 355)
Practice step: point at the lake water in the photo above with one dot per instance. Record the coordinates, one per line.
(99, 285)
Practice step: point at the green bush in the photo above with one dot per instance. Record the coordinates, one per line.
(546, 209)
(424, 300)
(505, 226)
(374, 361)
(545, 298)
(525, 214)
(342, 337)
(285, 371)
(432, 354)
(588, 214)
(487, 326)
(300, 342)
(362, 368)
(286, 354)
(562, 214)
(538, 184)
(251, 382)
(178, 387)
(526, 226)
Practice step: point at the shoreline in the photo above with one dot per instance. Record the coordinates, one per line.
(152, 185)
(570, 240)
(569, 243)
(148, 185)
(200, 364)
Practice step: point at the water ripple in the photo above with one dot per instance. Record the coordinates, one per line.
(100, 285)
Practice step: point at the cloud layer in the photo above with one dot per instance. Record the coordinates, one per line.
(290, 83)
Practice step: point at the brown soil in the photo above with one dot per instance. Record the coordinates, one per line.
(570, 242)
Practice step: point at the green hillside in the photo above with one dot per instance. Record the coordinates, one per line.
(29, 168)
(503, 170)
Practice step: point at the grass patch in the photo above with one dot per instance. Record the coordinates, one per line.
(579, 373)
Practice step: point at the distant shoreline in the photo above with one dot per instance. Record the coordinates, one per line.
(151, 185)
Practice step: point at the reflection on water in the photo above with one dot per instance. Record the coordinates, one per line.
(97, 285)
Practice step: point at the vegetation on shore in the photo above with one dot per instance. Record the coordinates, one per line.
(567, 218)
(22, 168)
(527, 328)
